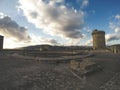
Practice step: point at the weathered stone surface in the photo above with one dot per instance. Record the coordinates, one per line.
(85, 67)
(98, 39)
(21, 74)
(115, 48)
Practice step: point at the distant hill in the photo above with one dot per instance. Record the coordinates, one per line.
(37, 47)
(46, 47)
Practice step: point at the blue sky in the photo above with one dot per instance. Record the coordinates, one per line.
(58, 22)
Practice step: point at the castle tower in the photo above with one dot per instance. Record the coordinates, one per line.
(98, 39)
(1, 42)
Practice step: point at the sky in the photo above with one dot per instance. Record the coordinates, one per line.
(58, 22)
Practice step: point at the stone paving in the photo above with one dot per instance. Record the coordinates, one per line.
(48, 80)
(113, 83)
(22, 74)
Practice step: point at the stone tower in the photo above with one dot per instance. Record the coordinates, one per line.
(98, 39)
(1, 42)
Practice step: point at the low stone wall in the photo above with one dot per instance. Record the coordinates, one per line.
(85, 67)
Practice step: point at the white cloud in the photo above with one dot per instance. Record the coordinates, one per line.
(17, 36)
(84, 3)
(52, 2)
(9, 43)
(115, 27)
(2, 15)
(89, 42)
(36, 40)
(87, 29)
(117, 16)
(53, 19)
(112, 25)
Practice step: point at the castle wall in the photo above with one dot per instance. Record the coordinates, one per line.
(1, 42)
(115, 48)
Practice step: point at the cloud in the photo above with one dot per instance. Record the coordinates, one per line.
(2, 15)
(117, 16)
(112, 37)
(12, 30)
(17, 36)
(85, 3)
(115, 27)
(89, 42)
(53, 18)
(36, 40)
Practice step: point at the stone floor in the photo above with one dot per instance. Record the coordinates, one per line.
(24, 74)
(113, 83)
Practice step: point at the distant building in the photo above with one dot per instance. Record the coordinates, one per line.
(115, 48)
(98, 39)
(1, 42)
